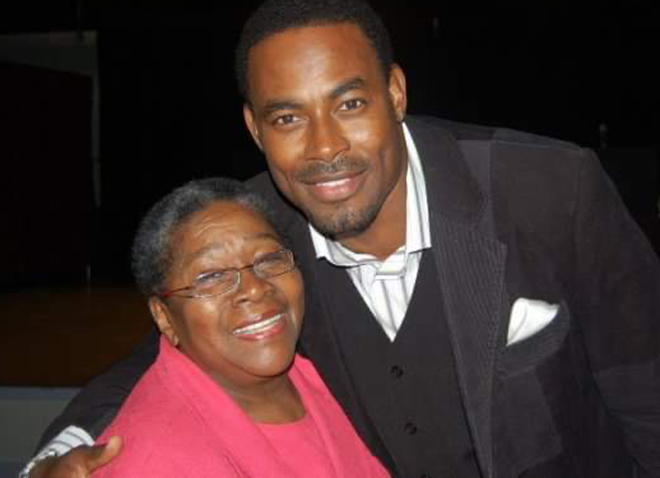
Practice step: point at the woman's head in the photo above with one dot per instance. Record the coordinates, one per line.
(153, 248)
(242, 327)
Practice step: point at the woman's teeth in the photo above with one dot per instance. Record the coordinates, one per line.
(258, 326)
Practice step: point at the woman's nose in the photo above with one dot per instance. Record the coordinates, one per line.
(251, 287)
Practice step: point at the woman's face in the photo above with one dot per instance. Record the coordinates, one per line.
(212, 331)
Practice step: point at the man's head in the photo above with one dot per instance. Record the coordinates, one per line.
(327, 115)
(274, 16)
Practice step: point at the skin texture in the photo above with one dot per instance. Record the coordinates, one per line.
(329, 124)
(252, 367)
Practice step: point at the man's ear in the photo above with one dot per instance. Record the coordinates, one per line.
(163, 319)
(397, 89)
(248, 116)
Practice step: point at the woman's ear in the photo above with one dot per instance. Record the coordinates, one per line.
(163, 319)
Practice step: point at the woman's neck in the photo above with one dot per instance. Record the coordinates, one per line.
(273, 401)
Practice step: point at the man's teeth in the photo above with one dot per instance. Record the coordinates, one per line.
(258, 326)
(332, 184)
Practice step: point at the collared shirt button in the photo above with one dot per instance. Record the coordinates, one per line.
(410, 428)
(396, 371)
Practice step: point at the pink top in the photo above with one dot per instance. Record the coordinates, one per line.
(178, 423)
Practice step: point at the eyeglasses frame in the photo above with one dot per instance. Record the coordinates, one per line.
(237, 281)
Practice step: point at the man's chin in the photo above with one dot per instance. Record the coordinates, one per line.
(344, 226)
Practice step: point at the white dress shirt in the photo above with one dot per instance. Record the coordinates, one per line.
(386, 286)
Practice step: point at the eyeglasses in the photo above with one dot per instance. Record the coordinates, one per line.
(228, 280)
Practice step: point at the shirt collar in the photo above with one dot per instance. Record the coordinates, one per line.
(418, 236)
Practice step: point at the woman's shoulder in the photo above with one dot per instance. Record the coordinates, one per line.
(169, 453)
(154, 423)
(165, 439)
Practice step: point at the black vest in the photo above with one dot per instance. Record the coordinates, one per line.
(408, 386)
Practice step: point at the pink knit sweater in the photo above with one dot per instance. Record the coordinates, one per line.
(178, 423)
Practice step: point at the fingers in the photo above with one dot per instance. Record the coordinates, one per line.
(79, 462)
(99, 455)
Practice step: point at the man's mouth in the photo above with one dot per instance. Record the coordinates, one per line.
(335, 181)
(337, 188)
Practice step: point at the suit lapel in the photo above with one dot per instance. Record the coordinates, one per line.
(470, 264)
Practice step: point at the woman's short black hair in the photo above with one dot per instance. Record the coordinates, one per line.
(274, 16)
(153, 250)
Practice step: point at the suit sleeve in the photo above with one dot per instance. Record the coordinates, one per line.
(94, 407)
(618, 283)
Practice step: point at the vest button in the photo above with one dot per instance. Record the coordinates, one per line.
(396, 371)
(410, 428)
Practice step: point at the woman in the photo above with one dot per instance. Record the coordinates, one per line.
(227, 396)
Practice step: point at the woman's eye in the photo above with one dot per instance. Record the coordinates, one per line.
(270, 259)
(214, 276)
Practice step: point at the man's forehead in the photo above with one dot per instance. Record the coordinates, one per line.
(314, 32)
(322, 57)
(313, 39)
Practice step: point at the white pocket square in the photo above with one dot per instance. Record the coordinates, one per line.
(528, 317)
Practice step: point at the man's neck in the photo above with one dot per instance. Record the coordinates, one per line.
(388, 231)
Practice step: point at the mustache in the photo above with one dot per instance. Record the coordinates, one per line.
(322, 168)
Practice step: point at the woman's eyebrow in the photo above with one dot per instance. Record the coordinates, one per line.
(218, 246)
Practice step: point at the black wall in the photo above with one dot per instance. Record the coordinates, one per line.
(170, 110)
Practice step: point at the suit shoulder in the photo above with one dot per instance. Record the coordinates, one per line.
(530, 141)
(261, 183)
(459, 131)
(285, 213)
(506, 136)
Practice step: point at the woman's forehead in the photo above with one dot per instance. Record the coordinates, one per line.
(223, 225)
(227, 217)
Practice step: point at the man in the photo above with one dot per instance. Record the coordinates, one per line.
(478, 299)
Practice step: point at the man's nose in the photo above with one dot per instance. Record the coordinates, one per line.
(327, 140)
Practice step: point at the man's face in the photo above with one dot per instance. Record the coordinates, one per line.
(328, 121)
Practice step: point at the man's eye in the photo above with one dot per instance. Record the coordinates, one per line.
(284, 120)
(352, 104)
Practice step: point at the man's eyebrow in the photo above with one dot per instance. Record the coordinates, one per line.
(273, 106)
(356, 83)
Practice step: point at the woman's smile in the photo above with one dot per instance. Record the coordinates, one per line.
(267, 326)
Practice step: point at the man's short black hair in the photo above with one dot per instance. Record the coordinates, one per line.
(153, 251)
(274, 16)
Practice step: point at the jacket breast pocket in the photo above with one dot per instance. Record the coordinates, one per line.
(528, 353)
(523, 421)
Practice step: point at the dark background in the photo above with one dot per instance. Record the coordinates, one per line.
(170, 112)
